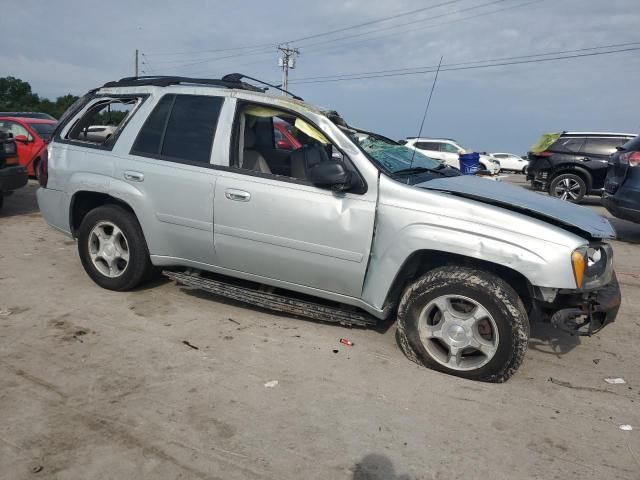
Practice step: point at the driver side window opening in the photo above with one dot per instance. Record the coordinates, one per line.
(280, 143)
(102, 121)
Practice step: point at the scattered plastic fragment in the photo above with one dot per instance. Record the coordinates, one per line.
(5, 312)
(271, 384)
(190, 345)
(626, 428)
(234, 321)
(346, 341)
(615, 381)
(37, 469)
(335, 350)
(596, 361)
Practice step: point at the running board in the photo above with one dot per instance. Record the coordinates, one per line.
(272, 301)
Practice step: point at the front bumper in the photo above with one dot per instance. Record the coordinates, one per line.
(12, 178)
(583, 313)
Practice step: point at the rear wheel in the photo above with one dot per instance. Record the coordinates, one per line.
(465, 322)
(37, 165)
(568, 186)
(112, 248)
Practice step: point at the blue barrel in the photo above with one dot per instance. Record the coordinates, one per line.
(469, 163)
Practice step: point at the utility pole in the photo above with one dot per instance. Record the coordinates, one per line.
(287, 61)
(136, 64)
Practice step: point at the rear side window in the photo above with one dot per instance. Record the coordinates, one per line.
(633, 144)
(568, 144)
(180, 128)
(100, 125)
(602, 146)
(428, 146)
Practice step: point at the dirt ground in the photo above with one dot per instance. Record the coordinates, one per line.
(162, 383)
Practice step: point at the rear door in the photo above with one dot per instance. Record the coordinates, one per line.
(169, 165)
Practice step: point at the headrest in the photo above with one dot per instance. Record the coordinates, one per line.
(249, 138)
(310, 155)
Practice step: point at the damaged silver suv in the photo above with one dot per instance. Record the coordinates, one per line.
(348, 226)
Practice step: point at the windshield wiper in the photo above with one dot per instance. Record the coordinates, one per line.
(409, 171)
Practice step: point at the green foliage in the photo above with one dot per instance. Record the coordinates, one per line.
(16, 96)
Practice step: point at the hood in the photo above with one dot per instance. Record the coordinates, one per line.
(580, 220)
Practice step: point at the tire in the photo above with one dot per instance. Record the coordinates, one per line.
(505, 316)
(36, 169)
(101, 235)
(569, 187)
(1, 200)
(523, 171)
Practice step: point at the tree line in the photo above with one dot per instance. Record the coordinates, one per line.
(16, 96)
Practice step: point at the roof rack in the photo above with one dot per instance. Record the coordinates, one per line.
(232, 80)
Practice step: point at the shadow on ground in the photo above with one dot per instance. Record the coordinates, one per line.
(546, 338)
(377, 467)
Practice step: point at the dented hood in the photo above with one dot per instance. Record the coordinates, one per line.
(572, 217)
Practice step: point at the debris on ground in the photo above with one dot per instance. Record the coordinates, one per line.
(335, 350)
(596, 361)
(37, 469)
(5, 312)
(271, 384)
(346, 341)
(190, 345)
(626, 428)
(234, 321)
(615, 381)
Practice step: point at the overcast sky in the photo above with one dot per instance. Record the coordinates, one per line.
(72, 46)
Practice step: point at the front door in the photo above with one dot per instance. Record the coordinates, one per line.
(280, 226)
(27, 148)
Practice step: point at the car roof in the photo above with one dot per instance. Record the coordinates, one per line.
(430, 139)
(597, 134)
(28, 119)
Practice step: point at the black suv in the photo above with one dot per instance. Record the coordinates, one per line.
(573, 164)
(12, 175)
(621, 194)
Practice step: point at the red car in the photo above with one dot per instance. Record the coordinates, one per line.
(32, 136)
(284, 138)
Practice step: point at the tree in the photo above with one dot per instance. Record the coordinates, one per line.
(16, 96)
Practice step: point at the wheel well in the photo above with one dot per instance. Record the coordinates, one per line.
(423, 261)
(83, 202)
(586, 176)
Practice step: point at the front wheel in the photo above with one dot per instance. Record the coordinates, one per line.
(463, 321)
(568, 186)
(112, 248)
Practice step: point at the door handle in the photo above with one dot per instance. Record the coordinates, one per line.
(237, 195)
(133, 176)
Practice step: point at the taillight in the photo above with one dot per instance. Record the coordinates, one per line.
(632, 158)
(544, 154)
(44, 168)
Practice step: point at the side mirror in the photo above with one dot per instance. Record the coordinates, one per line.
(283, 145)
(330, 174)
(21, 138)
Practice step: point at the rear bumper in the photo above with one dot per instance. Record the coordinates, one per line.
(12, 178)
(584, 313)
(624, 204)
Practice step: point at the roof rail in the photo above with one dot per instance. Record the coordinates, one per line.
(231, 80)
(165, 81)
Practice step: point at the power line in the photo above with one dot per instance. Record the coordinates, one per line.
(419, 72)
(317, 35)
(423, 27)
(558, 52)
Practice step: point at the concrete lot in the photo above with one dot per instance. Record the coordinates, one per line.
(100, 385)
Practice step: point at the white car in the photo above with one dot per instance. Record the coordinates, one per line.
(511, 162)
(447, 151)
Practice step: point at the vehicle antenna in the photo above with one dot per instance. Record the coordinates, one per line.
(424, 117)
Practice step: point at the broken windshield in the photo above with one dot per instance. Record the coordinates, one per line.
(392, 156)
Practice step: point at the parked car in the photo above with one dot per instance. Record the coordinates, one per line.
(510, 162)
(621, 194)
(32, 136)
(12, 174)
(43, 116)
(349, 228)
(285, 140)
(571, 165)
(448, 151)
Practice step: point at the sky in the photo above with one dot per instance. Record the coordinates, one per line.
(72, 46)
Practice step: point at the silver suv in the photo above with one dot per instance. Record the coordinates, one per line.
(349, 226)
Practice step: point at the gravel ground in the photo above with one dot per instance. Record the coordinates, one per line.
(101, 385)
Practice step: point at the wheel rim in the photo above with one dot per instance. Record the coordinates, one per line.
(567, 189)
(108, 249)
(458, 332)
